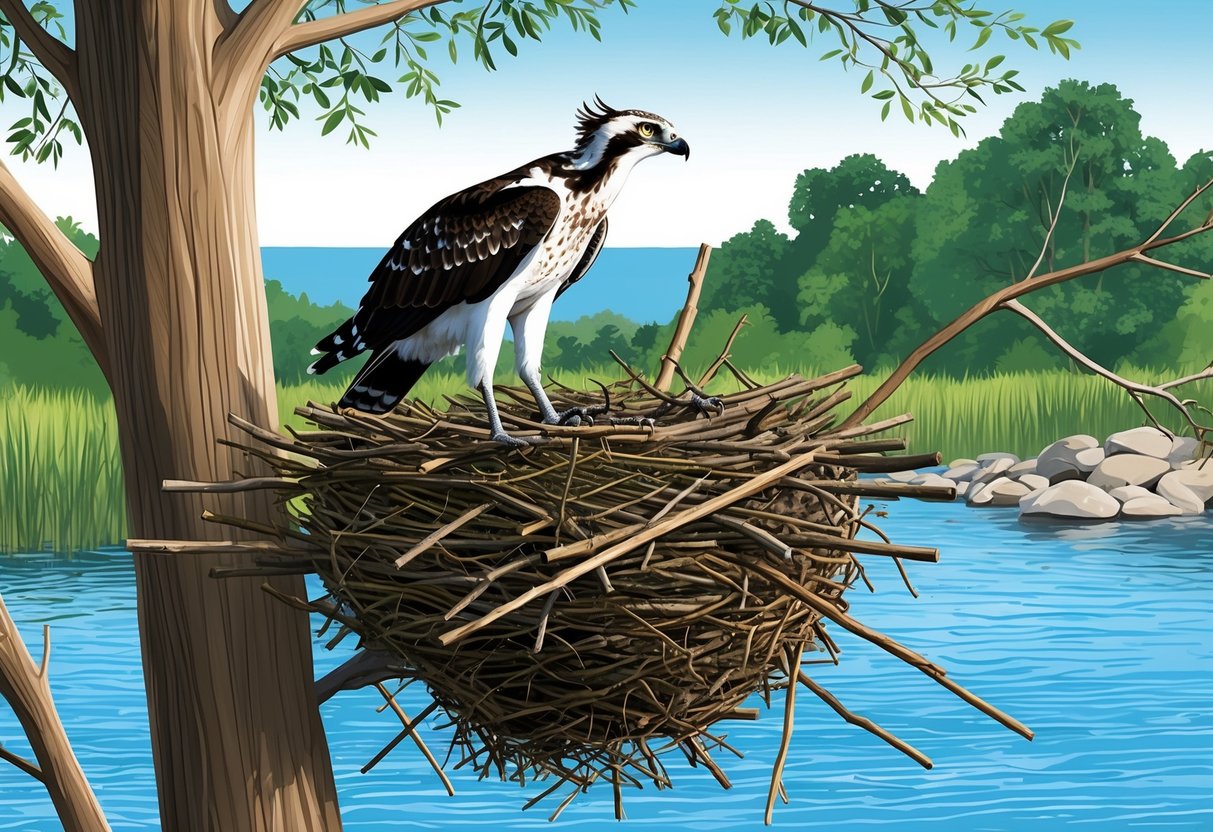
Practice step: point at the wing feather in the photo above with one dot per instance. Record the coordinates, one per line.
(460, 250)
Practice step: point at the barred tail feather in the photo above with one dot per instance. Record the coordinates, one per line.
(382, 382)
(341, 344)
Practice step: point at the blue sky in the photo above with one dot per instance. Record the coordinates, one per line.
(755, 116)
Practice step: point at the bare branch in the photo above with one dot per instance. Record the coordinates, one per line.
(58, 58)
(312, 32)
(1135, 389)
(366, 667)
(24, 685)
(1162, 264)
(1061, 201)
(1195, 195)
(66, 269)
(22, 763)
(1026, 286)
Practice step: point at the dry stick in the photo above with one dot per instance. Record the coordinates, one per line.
(686, 318)
(865, 723)
(431, 539)
(409, 728)
(715, 366)
(420, 743)
(887, 644)
(789, 714)
(740, 492)
(1000, 298)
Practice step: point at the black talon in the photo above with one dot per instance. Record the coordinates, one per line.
(707, 405)
(514, 441)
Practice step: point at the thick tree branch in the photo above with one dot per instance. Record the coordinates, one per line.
(1001, 298)
(26, 688)
(58, 58)
(66, 269)
(303, 35)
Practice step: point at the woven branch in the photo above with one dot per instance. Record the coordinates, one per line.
(583, 607)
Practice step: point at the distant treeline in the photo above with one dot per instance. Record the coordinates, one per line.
(871, 268)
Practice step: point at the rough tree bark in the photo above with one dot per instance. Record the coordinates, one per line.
(236, 732)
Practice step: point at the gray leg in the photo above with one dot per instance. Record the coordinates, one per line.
(546, 409)
(497, 432)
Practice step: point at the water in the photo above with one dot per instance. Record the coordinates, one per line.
(1097, 637)
(643, 284)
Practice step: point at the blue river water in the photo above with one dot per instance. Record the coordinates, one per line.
(1098, 637)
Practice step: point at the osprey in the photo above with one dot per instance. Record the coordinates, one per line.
(497, 252)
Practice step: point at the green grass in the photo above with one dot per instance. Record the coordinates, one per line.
(60, 472)
(61, 479)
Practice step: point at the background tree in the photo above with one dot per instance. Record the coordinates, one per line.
(985, 215)
(173, 306)
(859, 180)
(861, 278)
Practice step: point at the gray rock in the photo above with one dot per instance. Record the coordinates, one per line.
(1188, 489)
(957, 463)
(961, 473)
(902, 476)
(1183, 449)
(1005, 492)
(1070, 499)
(1131, 492)
(1028, 466)
(991, 470)
(1128, 469)
(1034, 482)
(997, 455)
(1088, 460)
(962, 488)
(983, 495)
(1060, 458)
(1148, 507)
(974, 492)
(1145, 441)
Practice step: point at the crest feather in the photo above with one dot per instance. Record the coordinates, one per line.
(591, 117)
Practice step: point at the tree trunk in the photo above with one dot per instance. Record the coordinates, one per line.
(236, 732)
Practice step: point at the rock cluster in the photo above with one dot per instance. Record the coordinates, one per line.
(1137, 474)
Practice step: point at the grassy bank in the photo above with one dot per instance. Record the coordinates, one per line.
(61, 480)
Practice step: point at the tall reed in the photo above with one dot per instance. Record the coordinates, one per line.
(60, 472)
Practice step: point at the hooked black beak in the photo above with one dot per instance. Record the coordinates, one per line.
(679, 147)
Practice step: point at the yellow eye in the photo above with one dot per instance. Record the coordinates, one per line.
(646, 130)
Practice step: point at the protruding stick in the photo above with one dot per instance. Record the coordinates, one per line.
(686, 319)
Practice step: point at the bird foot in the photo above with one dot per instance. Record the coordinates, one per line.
(515, 441)
(576, 416)
(707, 405)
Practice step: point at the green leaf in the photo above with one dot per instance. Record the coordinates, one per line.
(867, 82)
(330, 124)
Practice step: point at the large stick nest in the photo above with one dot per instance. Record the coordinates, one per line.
(582, 606)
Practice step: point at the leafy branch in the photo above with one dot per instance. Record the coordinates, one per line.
(340, 76)
(881, 37)
(22, 75)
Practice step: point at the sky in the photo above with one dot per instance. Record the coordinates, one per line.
(754, 115)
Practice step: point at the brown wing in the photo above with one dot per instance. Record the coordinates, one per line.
(460, 250)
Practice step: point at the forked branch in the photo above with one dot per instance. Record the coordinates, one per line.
(312, 32)
(24, 684)
(1004, 299)
(1136, 390)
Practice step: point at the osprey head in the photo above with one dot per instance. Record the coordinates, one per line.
(604, 133)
